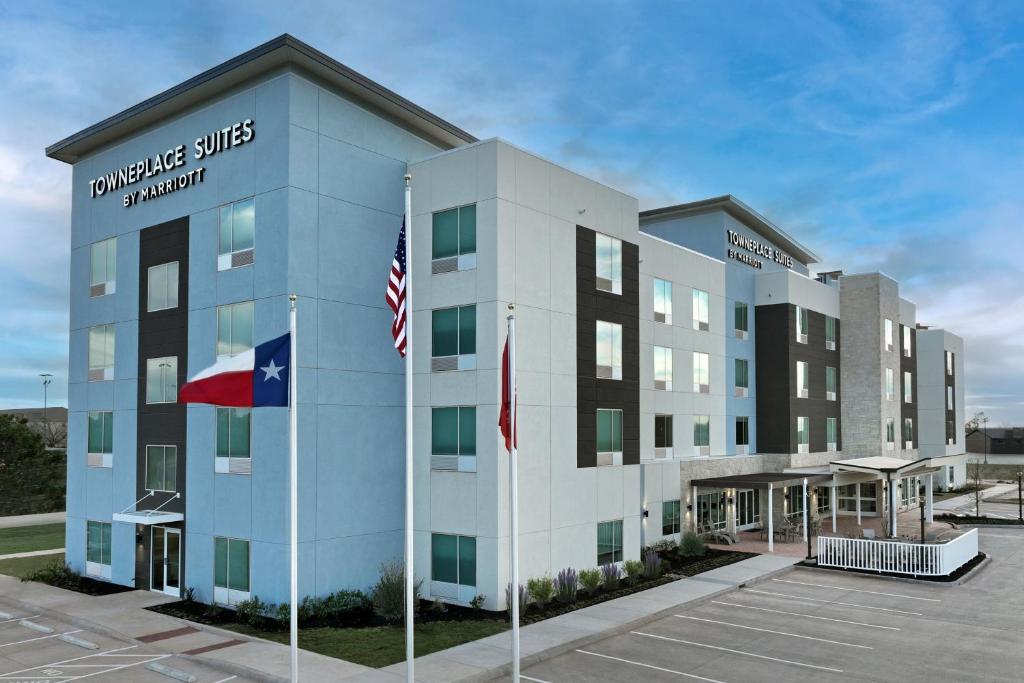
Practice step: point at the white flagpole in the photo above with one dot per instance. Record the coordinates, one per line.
(513, 489)
(293, 464)
(409, 574)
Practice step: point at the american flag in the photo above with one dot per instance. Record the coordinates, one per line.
(396, 293)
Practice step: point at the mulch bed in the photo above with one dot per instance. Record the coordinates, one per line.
(971, 564)
(971, 519)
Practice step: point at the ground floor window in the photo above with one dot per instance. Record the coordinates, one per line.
(748, 507)
(824, 498)
(609, 542)
(846, 498)
(670, 523)
(794, 501)
(950, 475)
(230, 570)
(97, 548)
(908, 491)
(710, 511)
(453, 559)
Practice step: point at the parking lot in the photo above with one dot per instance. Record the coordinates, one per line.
(827, 626)
(36, 649)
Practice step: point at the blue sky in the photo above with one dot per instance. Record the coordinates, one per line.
(887, 136)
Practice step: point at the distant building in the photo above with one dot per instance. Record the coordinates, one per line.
(1001, 441)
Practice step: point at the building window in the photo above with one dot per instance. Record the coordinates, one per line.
(711, 511)
(846, 498)
(890, 384)
(949, 363)
(609, 350)
(662, 436)
(748, 507)
(670, 517)
(830, 383)
(453, 438)
(831, 433)
(162, 287)
(162, 468)
(907, 341)
(700, 309)
(950, 433)
(609, 542)
(824, 494)
(234, 435)
(453, 559)
(743, 431)
(742, 377)
(609, 437)
(662, 368)
(101, 439)
(609, 264)
(830, 333)
(453, 338)
(162, 380)
(662, 301)
(101, 353)
(794, 501)
(453, 239)
(908, 388)
(237, 234)
(234, 329)
(103, 267)
(97, 549)
(741, 320)
(908, 432)
(701, 373)
(230, 570)
(702, 432)
(890, 433)
(949, 398)
(803, 434)
(889, 341)
(801, 324)
(803, 381)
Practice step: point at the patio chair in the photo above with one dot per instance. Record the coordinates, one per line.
(868, 534)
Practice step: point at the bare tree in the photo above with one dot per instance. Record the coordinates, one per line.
(55, 434)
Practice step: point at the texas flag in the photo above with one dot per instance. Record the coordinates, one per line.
(257, 377)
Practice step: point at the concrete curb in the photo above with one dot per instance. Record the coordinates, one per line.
(235, 669)
(903, 579)
(560, 649)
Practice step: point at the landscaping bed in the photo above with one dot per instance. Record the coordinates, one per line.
(971, 519)
(367, 629)
(55, 572)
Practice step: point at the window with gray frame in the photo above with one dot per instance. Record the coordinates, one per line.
(662, 436)
(609, 350)
(662, 301)
(453, 559)
(237, 234)
(234, 328)
(97, 548)
(609, 542)
(742, 431)
(608, 263)
(101, 352)
(453, 438)
(162, 380)
(701, 373)
(670, 517)
(103, 267)
(609, 436)
(830, 383)
(742, 366)
(662, 368)
(162, 287)
(830, 333)
(453, 338)
(831, 433)
(231, 562)
(701, 306)
(100, 438)
(453, 239)
(801, 325)
(162, 468)
(741, 320)
(234, 436)
(702, 431)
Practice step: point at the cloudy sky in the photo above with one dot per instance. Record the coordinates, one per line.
(886, 136)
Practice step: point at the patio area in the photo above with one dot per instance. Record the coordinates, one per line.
(908, 526)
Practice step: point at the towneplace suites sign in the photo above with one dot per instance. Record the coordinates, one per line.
(171, 163)
(748, 246)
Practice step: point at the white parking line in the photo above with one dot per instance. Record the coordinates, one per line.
(858, 590)
(768, 630)
(834, 602)
(738, 652)
(523, 676)
(650, 666)
(806, 616)
(231, 678)
(65, 678)
(32, 640)
(9, 621)
(108, 653)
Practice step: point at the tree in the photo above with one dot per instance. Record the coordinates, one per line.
(32, 479)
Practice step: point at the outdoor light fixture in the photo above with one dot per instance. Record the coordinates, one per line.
(689, 507)
(730, 500)
(647, 513)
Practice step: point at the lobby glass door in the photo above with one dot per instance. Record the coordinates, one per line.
(165, 554)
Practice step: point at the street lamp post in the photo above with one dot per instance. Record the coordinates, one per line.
(984, 422)
(920, 500)
(47, 378)
(1020, 501)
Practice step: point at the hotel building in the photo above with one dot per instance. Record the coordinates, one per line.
(658, 352)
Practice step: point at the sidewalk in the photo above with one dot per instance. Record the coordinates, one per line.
(951, 504)
(124, 615)
(32, 520)
(31, 553)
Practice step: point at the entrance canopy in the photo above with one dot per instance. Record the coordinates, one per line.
(891, 467)
(148, 517)
(760, 480)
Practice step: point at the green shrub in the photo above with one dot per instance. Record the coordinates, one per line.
(692, 545)
(634, 570)
(389, 594)
(477, 603)
(541, 590)
(56, 573)
(253, 611)
(590, 579)
(610, 575)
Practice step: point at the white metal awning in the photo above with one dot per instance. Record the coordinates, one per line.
(148, 517)
(887, 466)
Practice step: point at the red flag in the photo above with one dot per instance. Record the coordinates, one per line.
(506, 420)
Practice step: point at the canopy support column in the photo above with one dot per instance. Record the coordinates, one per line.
(858, 505)
(928, 499)
(771, 521)
(833, 503)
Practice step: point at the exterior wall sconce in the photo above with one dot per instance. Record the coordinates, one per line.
(689, 507)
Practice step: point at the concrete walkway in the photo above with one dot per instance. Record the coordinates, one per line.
(951, 504)
(31, 553)
(32, 520)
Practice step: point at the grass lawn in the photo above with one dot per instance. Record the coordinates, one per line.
(23, 539)
(383, 645)
(23, 566)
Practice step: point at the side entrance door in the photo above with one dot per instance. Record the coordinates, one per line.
(165, 553)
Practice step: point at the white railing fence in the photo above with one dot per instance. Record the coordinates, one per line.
(914, 559)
